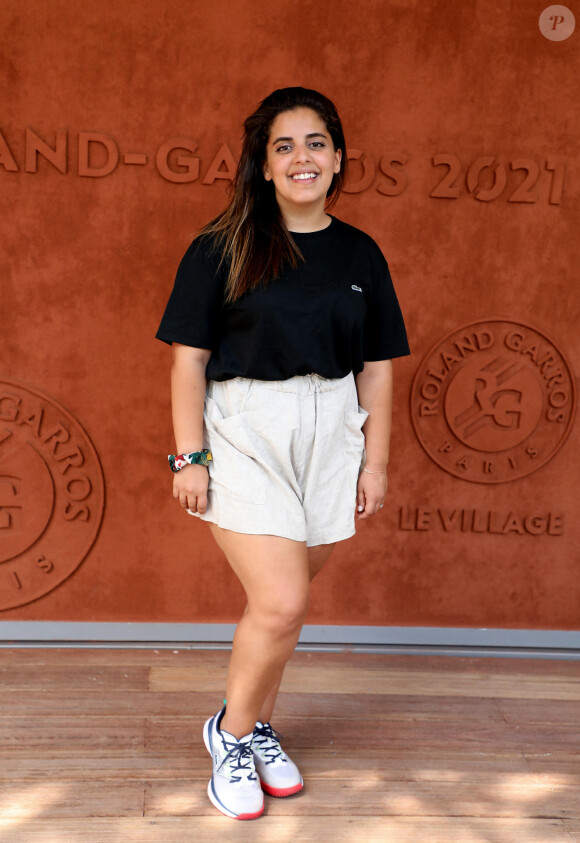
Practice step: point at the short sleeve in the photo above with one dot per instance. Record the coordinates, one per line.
(384, 333)
(192, 313)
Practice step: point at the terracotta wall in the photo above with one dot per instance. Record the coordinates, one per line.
(119, 127)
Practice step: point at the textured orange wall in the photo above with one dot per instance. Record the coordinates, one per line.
(448, 108)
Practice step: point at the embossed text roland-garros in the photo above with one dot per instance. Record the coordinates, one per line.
(183, 160)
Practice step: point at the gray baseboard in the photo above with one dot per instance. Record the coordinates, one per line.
(459, 641)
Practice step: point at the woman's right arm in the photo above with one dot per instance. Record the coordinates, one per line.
(188, 383)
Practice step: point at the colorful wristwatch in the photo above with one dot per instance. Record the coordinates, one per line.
(176, 462)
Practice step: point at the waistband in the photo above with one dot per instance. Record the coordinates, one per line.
(299, 384)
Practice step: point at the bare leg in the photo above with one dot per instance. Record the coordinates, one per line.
(274, 574)
(317, 556)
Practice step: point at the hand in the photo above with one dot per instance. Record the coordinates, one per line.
(190, 487)
(370, 493)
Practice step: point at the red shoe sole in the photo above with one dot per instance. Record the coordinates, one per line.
(250, 816)
(281, 791)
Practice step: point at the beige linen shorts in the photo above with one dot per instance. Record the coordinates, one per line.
(286, 456)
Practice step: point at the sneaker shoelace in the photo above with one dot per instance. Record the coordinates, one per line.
(268, 741)
(240, 761)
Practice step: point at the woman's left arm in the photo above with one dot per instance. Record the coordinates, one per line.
(375, 395)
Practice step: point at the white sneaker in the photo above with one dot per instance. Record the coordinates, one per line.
(234, 788)
(279, 775)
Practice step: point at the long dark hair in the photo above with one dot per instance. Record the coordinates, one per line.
(250, 233)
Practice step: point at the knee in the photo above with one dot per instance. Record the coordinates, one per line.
(285, 615)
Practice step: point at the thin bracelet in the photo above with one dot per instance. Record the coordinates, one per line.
(384, 471)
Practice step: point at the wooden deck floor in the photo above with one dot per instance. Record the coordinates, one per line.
(105, 745)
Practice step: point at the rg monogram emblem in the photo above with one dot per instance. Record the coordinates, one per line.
(493, 401)
(51, 494)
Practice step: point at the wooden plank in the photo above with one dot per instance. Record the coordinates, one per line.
(269, 828)
(103, 701)
(552, 762)
(480, 665)
(394, 707)
(346, 735)
(78, 678)
(404, 707)
(78, 798)
(111, 767)
(110, 657)
(412, 764)
(374, 765)
(195, 679)
(145, 656)
(60, 734)
(508, 796)
(406, 764)
(441, 683)
(340, 680)
(563, 712)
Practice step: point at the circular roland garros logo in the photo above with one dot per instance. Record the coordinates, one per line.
(51, 494)
(493, 401)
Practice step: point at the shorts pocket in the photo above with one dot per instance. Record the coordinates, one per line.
(234, 467)
(354, 439)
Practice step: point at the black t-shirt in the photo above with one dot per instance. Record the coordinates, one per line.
(335, 311)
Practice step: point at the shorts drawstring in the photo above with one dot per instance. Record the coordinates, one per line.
(313, 381)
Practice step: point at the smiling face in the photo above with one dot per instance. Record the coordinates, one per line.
(301, 161)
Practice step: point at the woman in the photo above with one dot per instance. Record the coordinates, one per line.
(284, 322)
